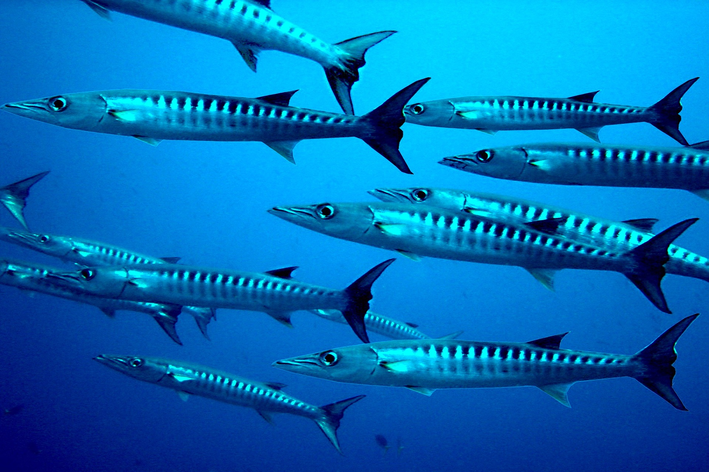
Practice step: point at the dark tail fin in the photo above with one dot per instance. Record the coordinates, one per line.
(667, 112)
(332, 414)
(342, 78)
(658, 358)
(15, 195)
(650, 258)
(359, 294)
(386, 121)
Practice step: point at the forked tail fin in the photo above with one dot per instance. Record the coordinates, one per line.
(332, 414)
(359, 293)
(386, 120)
(650, 258)
(667, 112)
(342, 78)
(13, 196)
(658, 358)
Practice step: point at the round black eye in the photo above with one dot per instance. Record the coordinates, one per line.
(325, 211)
(484, 155)
(44, 238)
(417, 109)
(88, 274)
(136, 362)
(329, 358)
(420, 194)
(57, 103)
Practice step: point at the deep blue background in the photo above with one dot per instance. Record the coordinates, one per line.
(207, 202)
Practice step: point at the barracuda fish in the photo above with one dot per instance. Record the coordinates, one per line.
(252, 27)
(36, 278)
(154, 115)
(684, 168)
(426, 365)
(14, 196)
(618, 236)
(491, 114)
(88, 253)
(265, 398)
(421, 230)
(274, 292)
(379, 324)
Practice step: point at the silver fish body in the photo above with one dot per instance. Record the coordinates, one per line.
(274, 293)
(615, 235)
(252, 26)
(265, 398)
(85, 252)
(580, 112)
(423, 230)
(154, 115)
(426, 365)
(14, 196)
(379, 324)
(582, 164)
(37, 278)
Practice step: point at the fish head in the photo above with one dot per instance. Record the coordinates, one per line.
(109, 282)
(73, 110)
(57, 246)
(141, 368)
(502, 163)
(352, 364)
(433, 113)
(341, 220)
(442, 198)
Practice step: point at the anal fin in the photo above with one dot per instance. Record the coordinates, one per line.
(558, 392)
(284, 148)
(422, 390)
(544, 277)
(100, 10)
(590, 132)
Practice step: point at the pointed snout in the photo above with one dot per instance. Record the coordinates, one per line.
(458, 162)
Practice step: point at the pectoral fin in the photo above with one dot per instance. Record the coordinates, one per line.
(266, 416)
(558, 392)
(140, 283)
(282, 317)
(391, 229)
(410, 255)
(124, 115)
(542, 164)
(544, 277)
(478, 212)
(396, 366)
(148, 140)
(181, 378)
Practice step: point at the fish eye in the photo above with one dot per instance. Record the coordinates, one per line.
(43, 238)
(325, 211)
(87, 274)
(136, 362)
(418, 108)
(420, 194)
(329, 358)
(484, 155)
(57, 103)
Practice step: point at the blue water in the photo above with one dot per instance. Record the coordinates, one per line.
(207, 202)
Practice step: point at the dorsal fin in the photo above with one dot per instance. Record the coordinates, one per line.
(413, 325)
(643, 224)
(585, 97)
(550, 342)
(282, 98)
(549, 226)
(704, 146)
(263, 3)
(170, 260)
(276, 385)
(284, 273)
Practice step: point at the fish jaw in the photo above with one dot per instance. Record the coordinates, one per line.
(352, 364)
(341, 220)
(77, 110)
(139, 368)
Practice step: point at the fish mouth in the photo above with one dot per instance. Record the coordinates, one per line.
(69, 277)
(458, 162)
(291, 213)
(388, 194)
(24, 108)
(115, 362)
(295, 364)
(23, 238)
